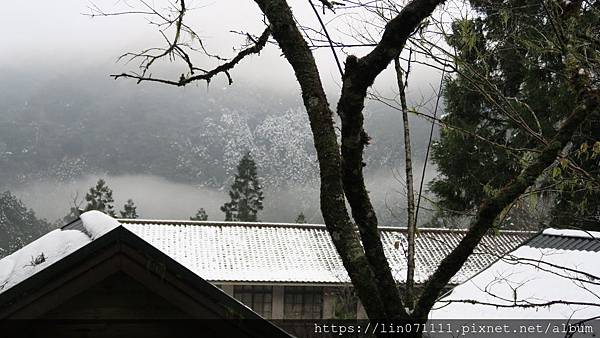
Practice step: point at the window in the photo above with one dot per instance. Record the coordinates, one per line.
(258, 297)
(303, 302)
(345, 303)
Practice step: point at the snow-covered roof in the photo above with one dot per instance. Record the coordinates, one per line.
(253, 252)
(51, 248)
(555, 275)
(299, 253)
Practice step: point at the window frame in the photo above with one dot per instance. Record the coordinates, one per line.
(308, 305)
(254, 296)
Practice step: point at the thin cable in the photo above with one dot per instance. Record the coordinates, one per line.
(337, 61)
(437, 102)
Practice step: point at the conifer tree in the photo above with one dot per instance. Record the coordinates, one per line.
(201, 215)
(486, 149)
(129, 210)
(100, 198)
(245, 194)
(18, 224)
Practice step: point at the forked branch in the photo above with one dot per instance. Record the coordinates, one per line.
(207, 75)
(173, 29)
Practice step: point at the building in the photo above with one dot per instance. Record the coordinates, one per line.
(98, 279)
(292, 271)
(555, 275)
(281, 271)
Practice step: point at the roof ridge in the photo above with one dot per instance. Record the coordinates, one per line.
(294, 225)
(572, 233)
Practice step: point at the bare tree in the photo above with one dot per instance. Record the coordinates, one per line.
(341, 165)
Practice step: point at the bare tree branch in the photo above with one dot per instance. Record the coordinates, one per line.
(491, 208)
(207, 75)
(519, 304)
(337, 61)
(410, 194)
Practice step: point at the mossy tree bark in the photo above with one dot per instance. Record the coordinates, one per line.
(341, 166)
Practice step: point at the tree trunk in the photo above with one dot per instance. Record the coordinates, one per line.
(333, 206)
(366, 264)
(411, 225)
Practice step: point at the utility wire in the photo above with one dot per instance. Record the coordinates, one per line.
(437, 102)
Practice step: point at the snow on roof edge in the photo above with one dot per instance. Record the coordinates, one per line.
(51, 248)
(572, 233)
(97, 223)
(38, 255)
(148, 221)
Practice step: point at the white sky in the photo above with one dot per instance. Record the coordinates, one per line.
(55, 34)
(42, 34)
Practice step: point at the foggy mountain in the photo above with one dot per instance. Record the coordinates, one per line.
(68, 129)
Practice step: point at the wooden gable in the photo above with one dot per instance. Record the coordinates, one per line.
(120, 286)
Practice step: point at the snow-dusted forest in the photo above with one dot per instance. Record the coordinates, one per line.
(60, 134)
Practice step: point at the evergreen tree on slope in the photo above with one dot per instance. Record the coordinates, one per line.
(245, 194)
(201, 215)
(100, 198)
(129, 210)
(18, 224)
(301, 219)
(505, 46)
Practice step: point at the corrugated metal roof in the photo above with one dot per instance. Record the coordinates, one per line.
(299, 253)
(548, 240)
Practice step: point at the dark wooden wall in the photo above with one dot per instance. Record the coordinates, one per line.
(116, 297)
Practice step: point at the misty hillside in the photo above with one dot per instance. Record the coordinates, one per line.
(57, 127)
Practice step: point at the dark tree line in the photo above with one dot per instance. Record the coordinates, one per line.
(100, 197)
(18, 224)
